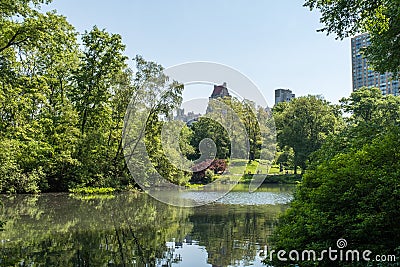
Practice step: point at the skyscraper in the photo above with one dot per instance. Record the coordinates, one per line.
(283, 95)
(363, 76)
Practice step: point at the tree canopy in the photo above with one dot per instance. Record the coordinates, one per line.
(379, 18)
(303, 125)
(350, 190)
(63, 101)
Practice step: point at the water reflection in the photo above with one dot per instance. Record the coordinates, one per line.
(135, 230)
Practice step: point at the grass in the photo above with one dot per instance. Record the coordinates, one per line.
(255, 167)
(92, 190)
(195, 186)
(274, 169)
(237, 166)
(275, 179)
(92, 196)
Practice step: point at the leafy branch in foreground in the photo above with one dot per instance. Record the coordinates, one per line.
(379, 18)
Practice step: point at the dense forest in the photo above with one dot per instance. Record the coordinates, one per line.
(63, 99)
(62, 102)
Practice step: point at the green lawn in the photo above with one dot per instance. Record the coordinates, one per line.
(251, 168)
(246, 170)
(237, 167)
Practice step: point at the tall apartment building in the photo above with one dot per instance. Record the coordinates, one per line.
(363, 76)
(283, 95)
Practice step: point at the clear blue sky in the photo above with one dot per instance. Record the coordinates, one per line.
(274, 43)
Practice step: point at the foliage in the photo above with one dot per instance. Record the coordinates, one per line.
(380, 18)
(286, 158)
(228, 122)
(303, 125)
(205, 171)
(372, 115)
(102, 64)
(157, 147)
(351, 189)
(209, 176)
(92, 190)
(218, 166)
(14, 178)
(62, 102)
(38, 122)
(209, 128)
(2, 222)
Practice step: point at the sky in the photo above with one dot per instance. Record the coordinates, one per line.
(274, 43)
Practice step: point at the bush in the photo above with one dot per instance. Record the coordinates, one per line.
(12, 178)
(209, 176)
(353, 196)
(200, 170)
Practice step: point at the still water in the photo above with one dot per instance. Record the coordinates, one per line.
(132, 229)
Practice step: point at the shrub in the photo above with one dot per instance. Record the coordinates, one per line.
(200, 175)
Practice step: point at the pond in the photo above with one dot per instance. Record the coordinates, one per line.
(133, 229)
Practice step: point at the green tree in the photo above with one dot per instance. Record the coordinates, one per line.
(101, 61)
(62, 104)
(236, 116)
(286, 157)
(248, 115)
(19, 23)
(351, 188)
(149, 112)
(372, 114)
(122, 90)
(101, 64)
(37, 54)
(208, 128)
(303, 125)
(156, 146)
(381, 19)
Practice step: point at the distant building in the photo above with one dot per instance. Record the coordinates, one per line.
(268, 110)
(283, 95)
(361, 73)
(189, 117)
(220, 91)
(180, 114)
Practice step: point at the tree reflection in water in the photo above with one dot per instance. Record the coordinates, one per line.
(130, 230)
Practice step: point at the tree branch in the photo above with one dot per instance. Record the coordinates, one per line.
(12, 42)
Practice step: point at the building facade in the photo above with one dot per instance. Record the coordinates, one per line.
(220, 91)
(283, 95)
(362, 75)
